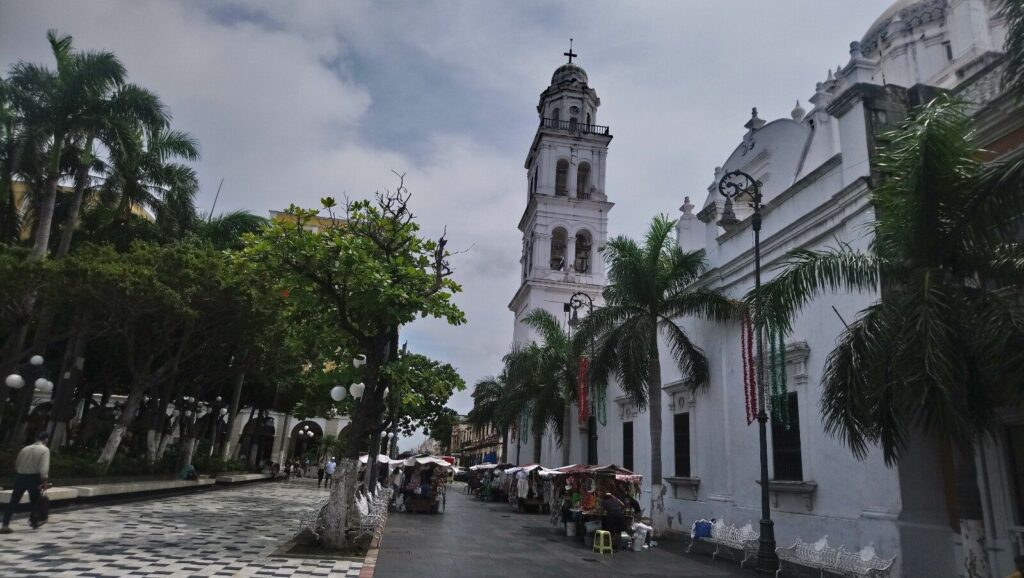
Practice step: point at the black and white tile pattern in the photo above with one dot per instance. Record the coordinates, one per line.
(224, 532)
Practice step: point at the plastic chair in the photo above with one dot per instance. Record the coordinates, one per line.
(603, 541)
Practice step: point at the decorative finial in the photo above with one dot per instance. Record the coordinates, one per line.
(687, 207)
(855, 51)
(798, 112)
(570, 54)
(755, 122)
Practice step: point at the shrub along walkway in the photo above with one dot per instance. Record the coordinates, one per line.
(474, 538)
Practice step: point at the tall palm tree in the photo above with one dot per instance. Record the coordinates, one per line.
(539, 397)
(57, 103)
(941, 349)
(493, 406)
(650, 286)
(557, 363)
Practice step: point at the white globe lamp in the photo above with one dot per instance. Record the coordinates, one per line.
(356, 389)
(338, 393)
(36, 360)
(15, 381)
(223, 411)
(359, 360)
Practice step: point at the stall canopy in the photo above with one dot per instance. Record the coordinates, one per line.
(423, 460)
(381, 459)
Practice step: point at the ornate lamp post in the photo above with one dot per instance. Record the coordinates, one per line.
(733, 185)
(577, 301)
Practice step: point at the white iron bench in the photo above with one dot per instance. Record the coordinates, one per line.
(864, 563)
(744, 539)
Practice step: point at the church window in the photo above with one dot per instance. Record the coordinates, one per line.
(627, 445)
(583, 251)
(572, 123)
(681, 431)
(556, 116)
(562, 178)
(949, 50)
(588, 120)
(583, 181)
(558, 243)
(786, 457)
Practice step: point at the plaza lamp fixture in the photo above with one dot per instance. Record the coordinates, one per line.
(733, 185)
(16, 381)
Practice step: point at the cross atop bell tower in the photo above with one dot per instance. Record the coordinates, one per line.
(565, 223)
(570, 54)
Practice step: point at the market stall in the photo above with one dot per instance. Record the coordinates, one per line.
(583, 494)
(423, 483)
(527, 486)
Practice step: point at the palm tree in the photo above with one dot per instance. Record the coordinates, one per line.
(650, 286)
(539, 397)
(1012, 11)
(57, 103)
(493, 406)
(226, 230)
(941, 349)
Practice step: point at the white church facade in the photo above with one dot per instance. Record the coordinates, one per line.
(816, 170)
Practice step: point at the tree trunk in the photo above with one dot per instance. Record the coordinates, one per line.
(64, 396)
(971, 515)
(44, 222)
(131, 407)
(567, 434)
(504, 446)
(81, 180)
(371, 462)
(538, 446)
(336, 515)
(236, 398)
(657, 512)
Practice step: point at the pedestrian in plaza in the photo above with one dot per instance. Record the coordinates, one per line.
(319, 475)
(305, 467)
(32, 468)
(329, 468)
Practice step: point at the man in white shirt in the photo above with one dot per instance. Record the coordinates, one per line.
(329, 468)
(32, 470)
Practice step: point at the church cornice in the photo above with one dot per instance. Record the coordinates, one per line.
(535, 201)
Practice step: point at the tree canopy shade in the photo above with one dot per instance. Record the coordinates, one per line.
(943, 347)
(651, 285)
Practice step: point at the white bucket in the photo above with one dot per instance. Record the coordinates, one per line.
(570, 529)
(639, 537)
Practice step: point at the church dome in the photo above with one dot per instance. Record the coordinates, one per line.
(568, 72)
(907, 14)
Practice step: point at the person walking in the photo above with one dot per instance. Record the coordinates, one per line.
(329, 468)
(32, 469)
(319, 475)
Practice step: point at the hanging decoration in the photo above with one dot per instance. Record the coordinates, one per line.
(779, 393)
(582, 388)
(749, 377)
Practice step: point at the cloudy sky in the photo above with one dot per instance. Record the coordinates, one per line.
(293, 101)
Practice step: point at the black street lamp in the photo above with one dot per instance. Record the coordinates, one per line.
(577, 301)
(732, 186)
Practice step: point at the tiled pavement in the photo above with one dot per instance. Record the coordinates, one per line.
(478, 539)
(222, 532)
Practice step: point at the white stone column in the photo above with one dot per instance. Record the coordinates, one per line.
(570, 252)
(542, 251)
(573, 167)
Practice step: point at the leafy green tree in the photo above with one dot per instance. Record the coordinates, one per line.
(940, 351)
(650, 286)
(368, 271)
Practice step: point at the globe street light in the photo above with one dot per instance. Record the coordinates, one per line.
(733, 185)
(356, 389)
(338, 393)
(578, 300)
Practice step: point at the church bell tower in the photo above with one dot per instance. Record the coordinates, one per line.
(566, 217)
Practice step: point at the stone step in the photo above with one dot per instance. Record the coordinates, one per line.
(238, 478)
(54, 494)
(135, 487)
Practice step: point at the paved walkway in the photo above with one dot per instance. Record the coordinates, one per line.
(474, 538)
(223, 532)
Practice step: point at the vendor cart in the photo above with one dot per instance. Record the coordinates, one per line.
(425, 485)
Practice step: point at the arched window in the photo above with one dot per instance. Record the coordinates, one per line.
(556, 116)
(562, 178)
(572, 123)
(583, 181)
(588, 120)
(558, 242)
(583, 251)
